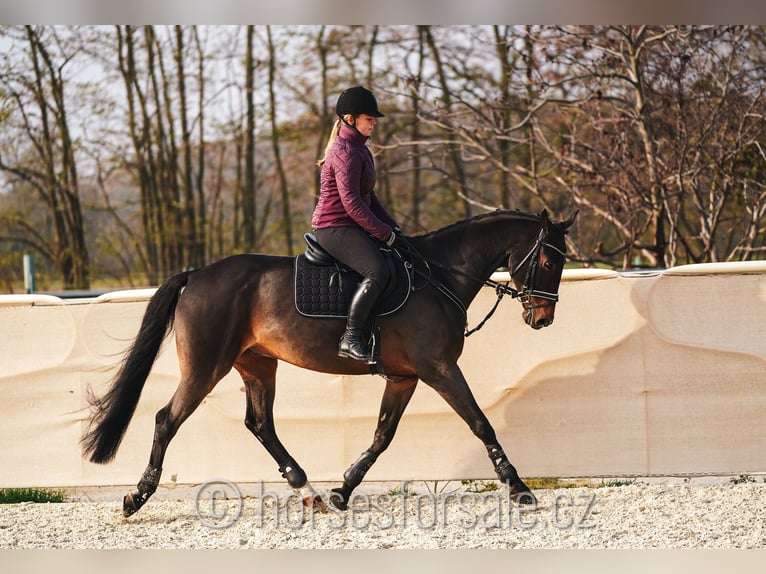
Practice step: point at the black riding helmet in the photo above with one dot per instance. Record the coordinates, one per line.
(357, 100)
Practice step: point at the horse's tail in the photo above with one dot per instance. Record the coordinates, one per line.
(113, 411)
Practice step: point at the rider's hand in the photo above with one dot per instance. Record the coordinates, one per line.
(400, 242)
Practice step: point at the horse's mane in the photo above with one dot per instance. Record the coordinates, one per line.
(514, 213)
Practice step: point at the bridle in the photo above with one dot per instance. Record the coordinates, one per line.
(527, 291)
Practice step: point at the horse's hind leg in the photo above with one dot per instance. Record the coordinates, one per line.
(259, 375)
(452, 386)
(184, 401)
(396, 397)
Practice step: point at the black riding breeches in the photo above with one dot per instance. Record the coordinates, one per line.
(355, 248)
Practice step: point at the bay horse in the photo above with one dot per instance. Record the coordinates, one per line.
(237, 312)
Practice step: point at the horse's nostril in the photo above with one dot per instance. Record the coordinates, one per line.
(544, 322)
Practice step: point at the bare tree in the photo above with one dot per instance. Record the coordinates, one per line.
(453, 148)
(660, 118)
(654, 132)
(283, 185)
(47, 163)
(192, 255)
(248, 180)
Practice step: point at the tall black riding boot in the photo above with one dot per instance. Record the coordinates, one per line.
(353, 343)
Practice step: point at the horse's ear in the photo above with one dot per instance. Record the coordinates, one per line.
(568, 223)
(545, 221)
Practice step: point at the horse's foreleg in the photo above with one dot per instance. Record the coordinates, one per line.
(259, 375)
(452, 386)
(396, 396)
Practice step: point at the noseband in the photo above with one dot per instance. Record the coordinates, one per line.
(528, 289)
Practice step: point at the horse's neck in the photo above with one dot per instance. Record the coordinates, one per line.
(474, 250)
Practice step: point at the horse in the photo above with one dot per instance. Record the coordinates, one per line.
(234, 313)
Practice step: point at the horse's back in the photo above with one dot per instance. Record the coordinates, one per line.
(236, 281)
(235, 269)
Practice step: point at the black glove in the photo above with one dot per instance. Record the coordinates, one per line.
(401, 243)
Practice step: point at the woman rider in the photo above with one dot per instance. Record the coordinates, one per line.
(348, 221)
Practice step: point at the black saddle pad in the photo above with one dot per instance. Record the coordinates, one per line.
(324, 291)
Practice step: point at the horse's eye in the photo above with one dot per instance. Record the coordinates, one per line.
(548, 265)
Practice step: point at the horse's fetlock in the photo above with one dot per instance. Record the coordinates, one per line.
(149, 481)
(503, 467)
(294, 474)
(357, 471)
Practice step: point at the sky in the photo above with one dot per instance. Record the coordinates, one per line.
(381, 12)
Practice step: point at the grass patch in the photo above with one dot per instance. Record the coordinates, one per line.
(549, 483)
(616, 482)
(479, 486)
(742, 479)
(403, 490)
(16, 495)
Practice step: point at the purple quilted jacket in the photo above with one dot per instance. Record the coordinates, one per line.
(346, 196)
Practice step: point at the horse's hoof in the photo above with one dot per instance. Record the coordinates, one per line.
(524, 498)
(338, 500)
(129, 505)
(315, 503)
(520, 492)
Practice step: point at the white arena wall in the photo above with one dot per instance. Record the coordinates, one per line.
(657, 373)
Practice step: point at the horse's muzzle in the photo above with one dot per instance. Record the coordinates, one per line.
(537, 322)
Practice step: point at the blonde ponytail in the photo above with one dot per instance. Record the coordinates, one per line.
(333, 135)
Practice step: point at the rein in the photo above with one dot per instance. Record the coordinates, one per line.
(501, 289)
